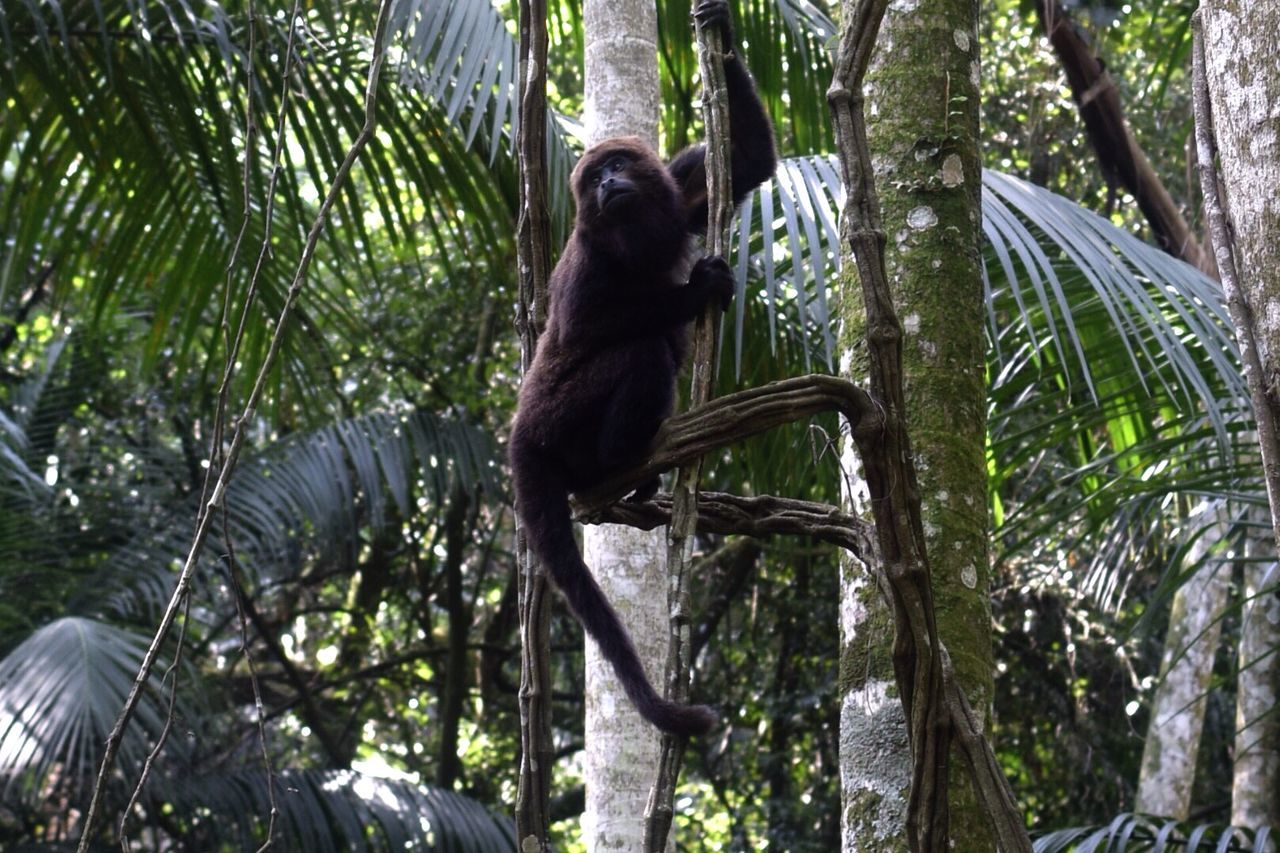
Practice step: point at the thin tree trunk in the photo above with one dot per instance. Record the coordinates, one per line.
(1241, 59)
(1255, 788)
(1169, 754)
(1237, 76)
(622, 749)
(875, 753)
(621, 80)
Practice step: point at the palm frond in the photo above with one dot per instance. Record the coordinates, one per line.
(460, 56)
(60, 692)
(1170, 316)
(335, 810)
(1142, 832)
(116, 173)
(310, 493)
(785, 43)
(18, 480)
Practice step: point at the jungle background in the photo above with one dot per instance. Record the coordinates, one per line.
(356, 603)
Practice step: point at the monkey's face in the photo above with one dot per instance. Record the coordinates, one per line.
(618, 180)
(612, 183)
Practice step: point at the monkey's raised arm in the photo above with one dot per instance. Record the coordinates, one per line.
(752, 154)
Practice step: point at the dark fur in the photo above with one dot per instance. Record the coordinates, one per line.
(603, 377)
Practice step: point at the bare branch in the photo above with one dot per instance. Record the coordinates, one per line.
(214, 496)
(761, 516)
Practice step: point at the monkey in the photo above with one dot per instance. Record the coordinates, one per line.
(602, 379)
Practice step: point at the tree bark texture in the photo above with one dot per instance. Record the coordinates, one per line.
(934, 706)
(922, 106)
(1240, 65)
(684, 491)
(622, 749)
(1186, 668)
(620, 74)
(1255, 788)
(1237, 100)
(533, 236)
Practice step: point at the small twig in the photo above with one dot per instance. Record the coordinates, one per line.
(259, 707)
(214, 496)
(171, 678)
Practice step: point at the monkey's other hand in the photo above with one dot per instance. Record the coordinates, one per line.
(716, 13)
(712, 274)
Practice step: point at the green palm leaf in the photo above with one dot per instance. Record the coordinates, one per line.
(113, 147)
(336, 810)
(1141, 832)
(310, 493)
(60, 692)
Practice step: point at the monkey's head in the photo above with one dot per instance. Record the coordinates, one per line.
(620, 181)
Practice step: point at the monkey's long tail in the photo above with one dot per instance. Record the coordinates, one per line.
(543, 502)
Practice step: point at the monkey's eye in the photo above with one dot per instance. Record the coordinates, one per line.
(617, 164)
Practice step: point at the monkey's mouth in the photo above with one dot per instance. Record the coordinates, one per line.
(614, 197)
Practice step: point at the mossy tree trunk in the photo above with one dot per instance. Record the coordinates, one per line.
(922, 107)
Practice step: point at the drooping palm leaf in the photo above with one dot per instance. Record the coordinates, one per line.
(1132, 832)
(336, 810)
(461, 57)
(60, 692)
(310, 493)
(121, 146)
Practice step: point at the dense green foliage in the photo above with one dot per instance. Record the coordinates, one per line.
(359, 586)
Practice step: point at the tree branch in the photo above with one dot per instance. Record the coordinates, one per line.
(765, 515)
(1122, 159)
(731, 418)
(533, 250)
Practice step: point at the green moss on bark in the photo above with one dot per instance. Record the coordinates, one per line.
(922, 106)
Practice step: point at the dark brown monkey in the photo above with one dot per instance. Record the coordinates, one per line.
(603, 377)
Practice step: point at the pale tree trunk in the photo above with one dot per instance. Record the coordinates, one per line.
(875, 758)
(1255, 789)
(1242, 68)
(1168, 770)
(922, 98)
(621, 76)
(621, 757)
(1241, 41)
